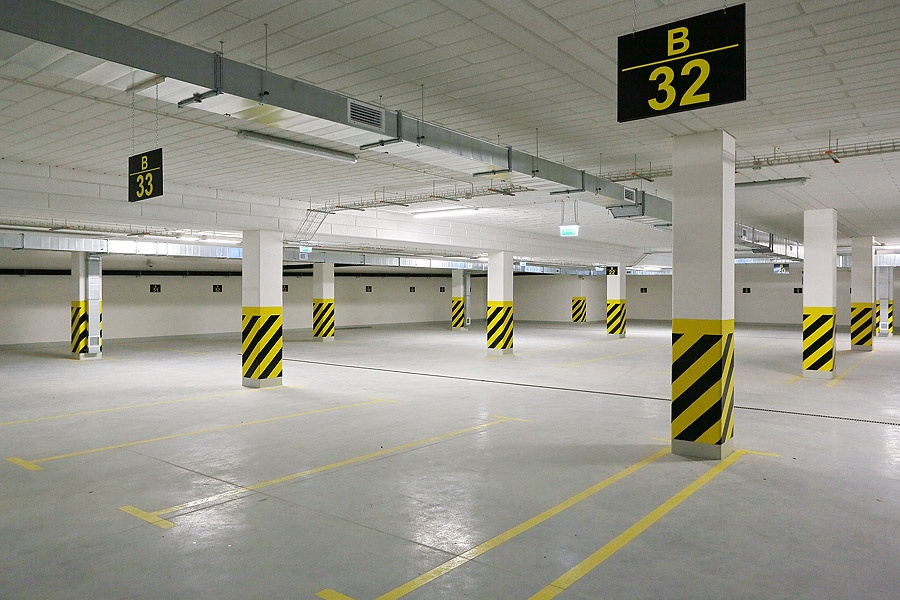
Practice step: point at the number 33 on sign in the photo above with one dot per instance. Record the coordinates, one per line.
(145, 175)
(689, 64)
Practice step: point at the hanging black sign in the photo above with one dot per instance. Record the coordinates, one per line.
(685, 65)
(145, 175)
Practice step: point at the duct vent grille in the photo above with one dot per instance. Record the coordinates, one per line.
(630, 195)
(365, 115)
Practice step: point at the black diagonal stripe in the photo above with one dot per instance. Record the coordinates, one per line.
(813, 348)
(861, 313)
(815, 325)
(676, 337)
(822, 360)
(684, 401)
(261, 333)
(614, 311)
(503, 339)
(728, 403)
(79, 316)
(861, 331)
(702, 424)
(693, 354)
(275, 363)
(496, 318)
(275, 339)
(248, 327)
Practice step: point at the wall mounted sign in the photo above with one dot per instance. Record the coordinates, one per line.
(145, 175)
(685, 65)
(612, 270)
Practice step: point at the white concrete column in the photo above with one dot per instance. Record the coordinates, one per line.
(615, 300)
(87, 306)
(884, 324)
(819, 292)
(703, 295)
(458, 300)
(262, 313)
(500, 303)
(862, 294)
(323, 302)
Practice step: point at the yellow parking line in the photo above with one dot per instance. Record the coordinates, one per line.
(33, 465)
(847, 372)
(582, 362)
(594, 560)
(154, 518)
(507, 535)
(131, 406)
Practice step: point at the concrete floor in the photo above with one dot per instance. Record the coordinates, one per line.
(393, 451)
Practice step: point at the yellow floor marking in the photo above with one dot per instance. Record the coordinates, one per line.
(154, 517)
(332, 595)
(582, 362)
(509, 534)
(595, 559)
(34, 462)
(794, 379)
(847, 372)
(131, 406)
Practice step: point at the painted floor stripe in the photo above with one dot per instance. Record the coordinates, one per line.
(590, 360)
(129, 407)
(838, 378)
(509, 534)
(34, 463)
(594, 560)
(154, 518)
(332, 595)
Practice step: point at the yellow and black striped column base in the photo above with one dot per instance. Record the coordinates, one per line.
(615, 317)
(702, 387)
(79, 323)
(862, 325)
(500, 327)
(323, 319)
(458, 312)
(261, 345)
(890, 316)
(579, 309)
(819, 332)
(888, 307)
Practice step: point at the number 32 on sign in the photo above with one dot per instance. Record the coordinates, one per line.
(145, 175)
(689, 64)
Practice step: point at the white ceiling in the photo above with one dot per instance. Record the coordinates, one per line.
(497, 70)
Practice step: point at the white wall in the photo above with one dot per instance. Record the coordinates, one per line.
(549, 297)
(655, 304)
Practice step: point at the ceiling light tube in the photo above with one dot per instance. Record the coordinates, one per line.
(773, 182)
(140, 86)
(282, 144)
(445, 212)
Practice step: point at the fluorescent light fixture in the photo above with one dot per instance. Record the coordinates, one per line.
(282, 144)
(787, 181)
(446, 212)
(889, 247)
(140, 86)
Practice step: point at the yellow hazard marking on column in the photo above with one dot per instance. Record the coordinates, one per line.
(702, 380)
(615, 317)
(500, 325)
(509, 534)
(323, 317)
(245, 490)
(579, 309)
(594, 560)
(173, 436)
(862, 324)
(458, 312)
(130, 407)
(261, 342)
(79, 326)
(890, 316)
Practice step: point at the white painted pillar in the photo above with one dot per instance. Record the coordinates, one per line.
(87, 306)
(885, 282)
(323, 302)
(862, 294)
(615, 300)
(458, 300)
(500, 303)
(703, 295)
(819, 292)
(262, 313)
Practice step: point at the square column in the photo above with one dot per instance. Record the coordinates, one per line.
(323, 302)
(884, 320)
(262, 313)
(819, 292)
(500, 303)
(87, 306)
(458, 300)
(862, 294)
(703, 295)
(615, 300)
